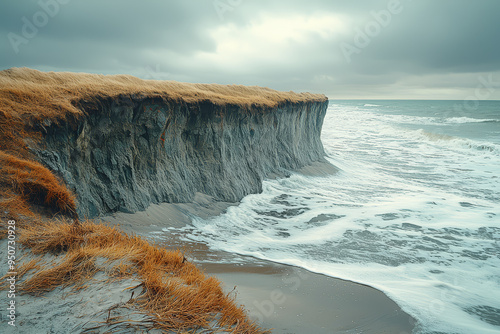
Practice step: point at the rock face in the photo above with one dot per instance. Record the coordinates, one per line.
(126, 153)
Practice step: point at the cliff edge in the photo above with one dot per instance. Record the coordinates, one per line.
(120, 143)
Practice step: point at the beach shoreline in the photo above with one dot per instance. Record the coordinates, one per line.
(279, 297)
(289, 299)
(285, 298)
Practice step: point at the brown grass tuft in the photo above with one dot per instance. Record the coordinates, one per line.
(176, 295)
(14, 203)
(76, 266)
(24, 182)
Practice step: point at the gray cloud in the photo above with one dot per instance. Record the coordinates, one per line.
(438, 49)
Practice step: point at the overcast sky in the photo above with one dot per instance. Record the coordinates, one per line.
(424, 49)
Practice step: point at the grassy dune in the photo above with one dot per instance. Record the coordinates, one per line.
(175, 294)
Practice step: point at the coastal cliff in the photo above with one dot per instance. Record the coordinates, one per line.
(124, 143)
(130, 153)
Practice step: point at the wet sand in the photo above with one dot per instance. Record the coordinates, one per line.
(293, 300)
(284, 298)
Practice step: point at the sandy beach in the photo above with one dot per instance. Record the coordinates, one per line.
(292, 300)
(285, 298)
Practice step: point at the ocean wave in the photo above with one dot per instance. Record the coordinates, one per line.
(427, 120)
(372, 105)
(462, 120)
(457, 142)
(408, 119)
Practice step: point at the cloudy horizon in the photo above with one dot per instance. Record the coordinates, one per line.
(369, 49)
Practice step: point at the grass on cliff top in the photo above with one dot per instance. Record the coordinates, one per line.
(28, 91)
(176, 295)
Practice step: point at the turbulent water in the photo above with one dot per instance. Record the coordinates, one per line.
(414, 210)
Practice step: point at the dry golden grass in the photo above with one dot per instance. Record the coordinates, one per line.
(176, 295)
(74, 268)
(48, 94)
(34, 264)
(14, 203)
(23, 181)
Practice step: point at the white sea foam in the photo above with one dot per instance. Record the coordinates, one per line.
(433, 120)
(453, 142)
(462, 120)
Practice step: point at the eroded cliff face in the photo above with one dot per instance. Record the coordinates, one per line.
(127, 153)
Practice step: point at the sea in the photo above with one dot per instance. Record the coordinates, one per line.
(414, 210)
